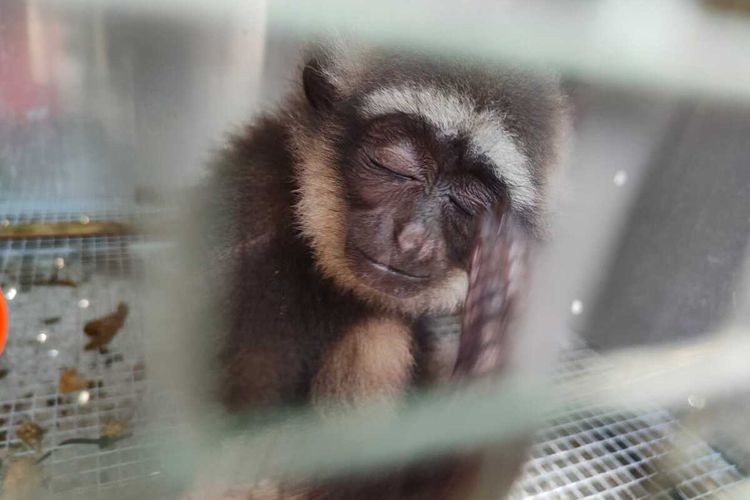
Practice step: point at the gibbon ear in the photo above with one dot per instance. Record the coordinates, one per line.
(319, 90)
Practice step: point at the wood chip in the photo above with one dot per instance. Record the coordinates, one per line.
(64, 229)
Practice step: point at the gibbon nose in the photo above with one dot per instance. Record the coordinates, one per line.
(414, 239)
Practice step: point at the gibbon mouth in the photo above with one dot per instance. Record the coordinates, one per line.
(390, 269)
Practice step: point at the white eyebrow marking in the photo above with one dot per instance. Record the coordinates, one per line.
(453, 115)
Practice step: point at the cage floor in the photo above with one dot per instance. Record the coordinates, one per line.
(588, 455)
(53, 287)
(620, 455)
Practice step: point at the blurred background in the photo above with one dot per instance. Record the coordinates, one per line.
(110, 110)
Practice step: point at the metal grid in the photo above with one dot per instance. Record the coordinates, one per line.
(596, 454)
(47, 335)
(620, 455)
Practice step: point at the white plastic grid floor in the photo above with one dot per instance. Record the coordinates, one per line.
(620, 455)
(587, 455)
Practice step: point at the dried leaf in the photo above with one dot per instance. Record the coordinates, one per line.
(114, 429)
(102, 330)
(71, 381)
(31, 434)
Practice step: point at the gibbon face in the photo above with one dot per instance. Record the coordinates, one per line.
(395, 164)
(412, 197)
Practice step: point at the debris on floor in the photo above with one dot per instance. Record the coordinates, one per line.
(102, 330)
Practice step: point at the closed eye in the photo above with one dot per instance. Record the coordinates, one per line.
(398, 175)
(460, 207)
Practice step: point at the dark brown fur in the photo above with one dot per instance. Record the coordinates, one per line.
(308, 319)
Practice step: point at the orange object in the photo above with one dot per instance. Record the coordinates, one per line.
(3, 321)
